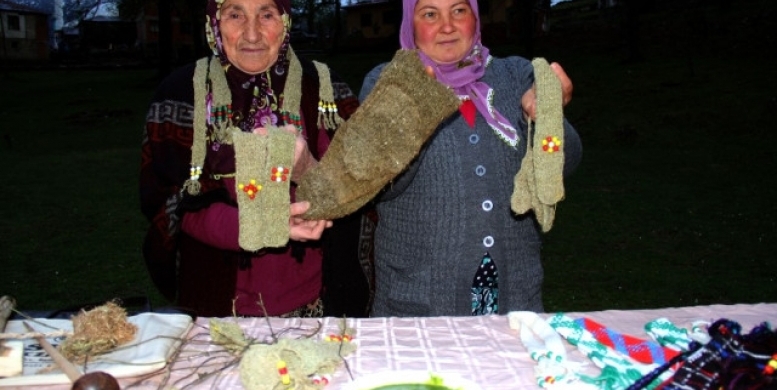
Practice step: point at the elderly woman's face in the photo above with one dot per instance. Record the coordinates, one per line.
(252, 33)
(444, 29)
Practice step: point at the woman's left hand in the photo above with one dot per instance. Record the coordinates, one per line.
(529, 99)
(304, 230)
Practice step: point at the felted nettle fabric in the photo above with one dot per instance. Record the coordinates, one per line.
(262, 179)
(379, 140)
(539, 184)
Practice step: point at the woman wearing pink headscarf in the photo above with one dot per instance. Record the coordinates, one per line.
(447, 241)
(188, 179)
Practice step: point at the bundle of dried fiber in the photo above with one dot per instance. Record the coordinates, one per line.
(98, 331)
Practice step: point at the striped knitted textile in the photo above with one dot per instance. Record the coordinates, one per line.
(643, 351)
(669, 335)
(619, 370)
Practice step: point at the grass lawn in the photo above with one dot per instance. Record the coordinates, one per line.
(673, 204)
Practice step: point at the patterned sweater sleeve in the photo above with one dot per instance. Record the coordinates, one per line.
(165, 155)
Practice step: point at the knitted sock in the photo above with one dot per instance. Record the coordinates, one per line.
(263, 165)
(643, 351)
(379, 140)
(539, 183)
(668, 334)
(546, 348)
(619, 371)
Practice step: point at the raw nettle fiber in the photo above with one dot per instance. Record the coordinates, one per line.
(97, 331)
(539, 184)
(379, 140)
(263, 165)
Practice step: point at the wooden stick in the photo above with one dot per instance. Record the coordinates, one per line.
(7, 304)
(72, 372)
(11, 351)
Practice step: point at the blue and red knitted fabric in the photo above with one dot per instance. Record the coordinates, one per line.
(643, 351)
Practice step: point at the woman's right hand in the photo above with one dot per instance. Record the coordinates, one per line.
(301, 229)
(529, 99)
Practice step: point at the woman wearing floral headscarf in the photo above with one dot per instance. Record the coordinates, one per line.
(194, 249)
(447, 241)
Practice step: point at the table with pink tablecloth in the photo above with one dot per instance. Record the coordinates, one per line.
(482, 349)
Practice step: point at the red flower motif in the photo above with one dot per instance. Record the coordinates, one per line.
(251, 189)
(279, 174)
(551, 144)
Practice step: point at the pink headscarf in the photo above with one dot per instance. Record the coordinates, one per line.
(463, 77)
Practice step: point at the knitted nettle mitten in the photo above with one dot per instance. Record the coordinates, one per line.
(539, 184)
(379, 140)
(263, 165)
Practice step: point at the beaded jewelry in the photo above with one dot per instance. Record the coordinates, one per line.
(327, 109)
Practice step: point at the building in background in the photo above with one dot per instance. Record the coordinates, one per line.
(186, 30)
(27, 29)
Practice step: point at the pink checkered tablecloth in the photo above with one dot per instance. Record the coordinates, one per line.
(484, 349)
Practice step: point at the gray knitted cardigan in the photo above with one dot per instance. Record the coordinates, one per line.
(452, 205)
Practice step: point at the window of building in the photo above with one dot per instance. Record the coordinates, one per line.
(13, 23)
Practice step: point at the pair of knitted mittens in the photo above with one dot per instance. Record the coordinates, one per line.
(379, 140)
(263, 165)
(539, 184)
